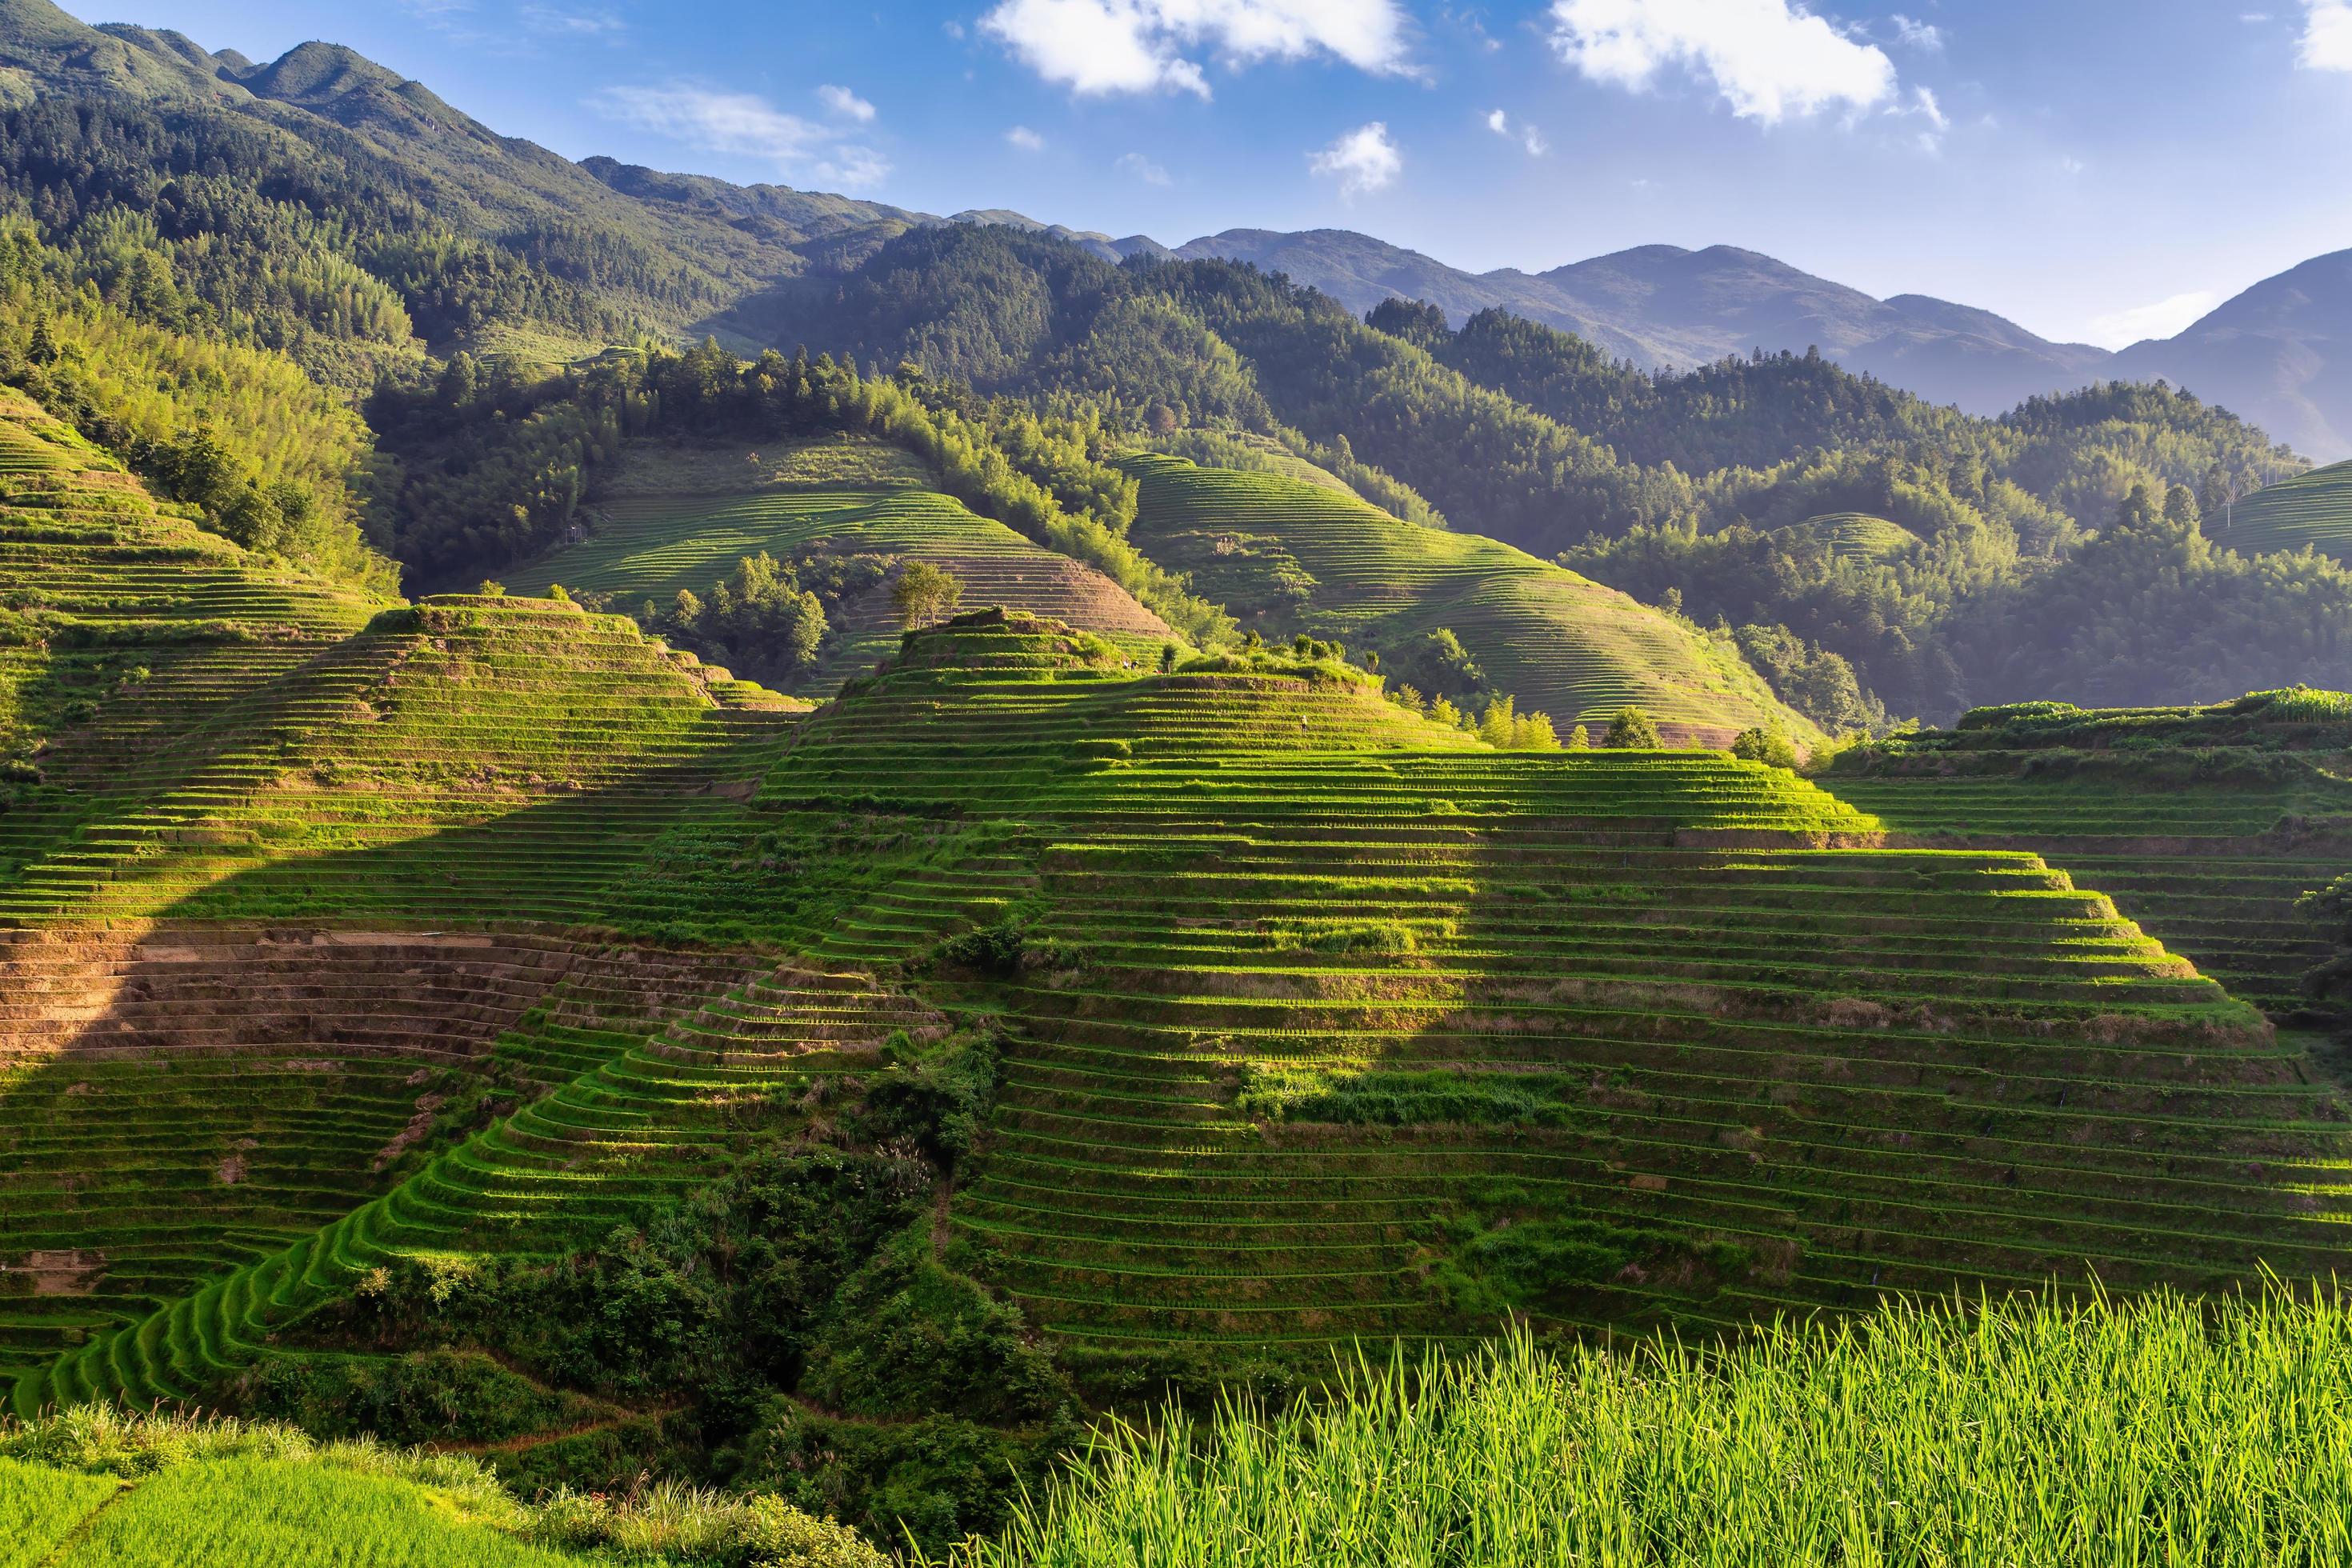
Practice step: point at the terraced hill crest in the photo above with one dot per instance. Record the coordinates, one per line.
(2205, 824)
(1305, 556)
(679, 516)
(1305, 1041)
(2312, 508)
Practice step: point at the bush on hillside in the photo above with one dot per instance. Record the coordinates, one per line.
(1768, 746)
(1632, 728)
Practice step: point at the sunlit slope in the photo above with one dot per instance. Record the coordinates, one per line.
(1854, 534)
(2313, 508)
(1298, 554)
(2205, 824)
(124, 630)
(232, 1002)
(455, 712)
(260, 1500)
(1309, 1039)
(1316, 1019)
(680, 517)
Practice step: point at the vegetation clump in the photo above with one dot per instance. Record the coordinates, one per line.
(2054, 1431)
(1632, 729)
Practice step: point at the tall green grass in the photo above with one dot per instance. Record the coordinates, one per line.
(2169, 1431)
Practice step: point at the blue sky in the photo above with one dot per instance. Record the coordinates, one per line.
(2094, 169)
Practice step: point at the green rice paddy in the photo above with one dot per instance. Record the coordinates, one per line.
(2312, 508)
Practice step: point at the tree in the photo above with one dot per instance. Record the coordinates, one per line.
(1767, 745)
(1579, 739)
(1632, 729)
(924, 593)
(2331, 979)
(1167, 659)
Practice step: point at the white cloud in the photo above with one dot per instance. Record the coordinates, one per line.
(2071, 166)
(742, 126)
(591, 23)
(1140, 46)
(1028, 140)
(1364, 160)
(2164, 318)
(2327, 36)
(1769, 58)
(846, 103)
(1525, 136)
(1924, 37)
(1142, 168)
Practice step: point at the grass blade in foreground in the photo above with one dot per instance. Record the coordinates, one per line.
(2021, 1433)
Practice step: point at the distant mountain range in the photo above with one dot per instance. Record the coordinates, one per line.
(2270, 354)
(2279, 355)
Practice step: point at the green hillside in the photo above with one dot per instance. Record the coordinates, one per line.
(414, 1010)
(94, 1487)
(2312, 508)
(1287, 554)
(680, 517)
(2205, 824)
(1706, 1034)
(1852, 535)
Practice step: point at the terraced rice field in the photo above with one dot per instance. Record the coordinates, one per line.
(1328, 1010)
(123, 632)
(1758, 1064)
(1854, 534)
(474, 925)
(2213, 871)
(1298, 556)
(654, 541)
(2312, 508)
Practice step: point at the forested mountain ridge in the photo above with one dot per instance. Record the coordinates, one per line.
(322, 205)
(1661, 306)
(1685, 490)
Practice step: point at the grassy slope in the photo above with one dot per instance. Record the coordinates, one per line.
(123, 630)
(2313, 508)
(680, 517)
(1637, 1011)
(1320, 1036)
(1338, 1022)
(1561, 643)
(2205, 825)
(2029, 1433)
(93, 1486)
(1854, 534)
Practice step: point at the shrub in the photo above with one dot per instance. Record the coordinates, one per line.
(1768, 746)
(1632, 729)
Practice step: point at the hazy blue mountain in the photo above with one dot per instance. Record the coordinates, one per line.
(1661, 305)
(2279, 353)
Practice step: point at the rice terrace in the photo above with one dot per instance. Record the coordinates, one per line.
(700, 870)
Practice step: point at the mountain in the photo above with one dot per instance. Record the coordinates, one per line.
(2267, 355)
(2271, 354)
(1663, 305)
